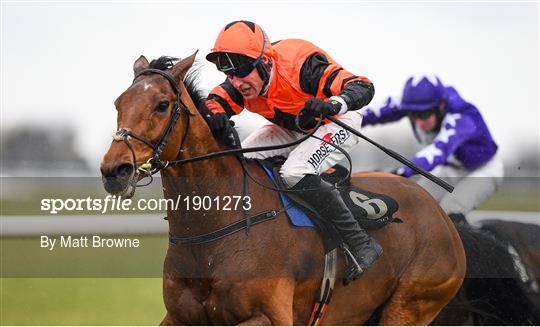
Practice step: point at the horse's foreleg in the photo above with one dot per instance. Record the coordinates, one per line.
(424, 290)
(167, 321)
(182, 306)
(412, 304)
(257, 320)
(263, 301)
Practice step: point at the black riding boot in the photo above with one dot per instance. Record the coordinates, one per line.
(329, 204)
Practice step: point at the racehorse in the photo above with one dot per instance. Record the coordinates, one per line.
(522, 241)
(271, 273)
(493, 292)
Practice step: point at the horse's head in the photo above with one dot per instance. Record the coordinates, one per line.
(152, 113)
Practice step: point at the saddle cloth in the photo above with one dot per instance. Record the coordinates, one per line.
(372, 210)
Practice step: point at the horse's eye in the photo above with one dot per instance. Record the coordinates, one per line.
(162, 106)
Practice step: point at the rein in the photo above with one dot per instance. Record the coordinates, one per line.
(155, 164)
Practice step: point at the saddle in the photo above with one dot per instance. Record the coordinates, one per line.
(372, 210)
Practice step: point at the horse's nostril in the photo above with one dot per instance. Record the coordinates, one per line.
(124, 170)
(105, 172)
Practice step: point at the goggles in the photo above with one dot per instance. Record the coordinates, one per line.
(226, 65)
(413, 114)
(238, 65)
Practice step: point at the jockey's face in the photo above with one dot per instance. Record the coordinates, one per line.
(427, 124)
(250, 86)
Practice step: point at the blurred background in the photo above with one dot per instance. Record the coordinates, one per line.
(64, 63)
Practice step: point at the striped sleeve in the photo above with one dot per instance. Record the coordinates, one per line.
(387, 113)
(323, 79)
(456, 129)
(224, 98)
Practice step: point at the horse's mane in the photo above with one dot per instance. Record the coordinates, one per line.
(191, 80)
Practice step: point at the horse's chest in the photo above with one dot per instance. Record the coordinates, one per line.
(224, 304)
(228, 303)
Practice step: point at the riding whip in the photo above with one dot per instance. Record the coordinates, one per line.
(396, 156)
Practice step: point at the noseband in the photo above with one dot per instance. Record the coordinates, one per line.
(154, 164)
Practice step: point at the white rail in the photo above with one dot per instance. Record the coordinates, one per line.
(155, 224)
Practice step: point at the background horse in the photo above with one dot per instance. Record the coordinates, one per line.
(523, 243)
(272, 274)
(493, 292)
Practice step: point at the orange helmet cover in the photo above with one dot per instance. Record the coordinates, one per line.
(242, 37)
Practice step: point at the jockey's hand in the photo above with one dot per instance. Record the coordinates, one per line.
(217, 122)
(398, 171)
(222, 128)
(315, 108)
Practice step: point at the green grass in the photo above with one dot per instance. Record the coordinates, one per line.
(42, 287)
(101, 299)
(31, 206)
(512, 202)
(516, 195)
(24, 257)
(33, 191)
(81, 301)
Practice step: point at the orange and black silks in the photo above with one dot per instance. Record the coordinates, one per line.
(301, 71)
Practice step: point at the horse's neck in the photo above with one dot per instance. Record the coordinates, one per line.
(189, 184)
(199, 142)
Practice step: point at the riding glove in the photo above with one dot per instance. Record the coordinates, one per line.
(398, 171)
(222, 128)
(314, 108)
(217, 122)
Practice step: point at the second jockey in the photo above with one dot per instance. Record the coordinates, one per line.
(458, 144)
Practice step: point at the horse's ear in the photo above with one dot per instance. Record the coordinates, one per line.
(180, 69)
(140, 64)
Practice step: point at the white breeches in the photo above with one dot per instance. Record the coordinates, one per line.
(312, 156)
(472, 188)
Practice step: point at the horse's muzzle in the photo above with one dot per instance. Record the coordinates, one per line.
(119, 179)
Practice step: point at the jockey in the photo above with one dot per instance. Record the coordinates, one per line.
(278, 81)
(458, 144)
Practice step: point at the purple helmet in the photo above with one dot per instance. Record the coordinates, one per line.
(422, 93)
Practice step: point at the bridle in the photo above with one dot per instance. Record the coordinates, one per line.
(154, 164)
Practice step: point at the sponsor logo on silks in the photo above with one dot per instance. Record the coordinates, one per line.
(324, 150)
(327, 137)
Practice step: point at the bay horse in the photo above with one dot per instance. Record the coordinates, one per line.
(271, 274)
